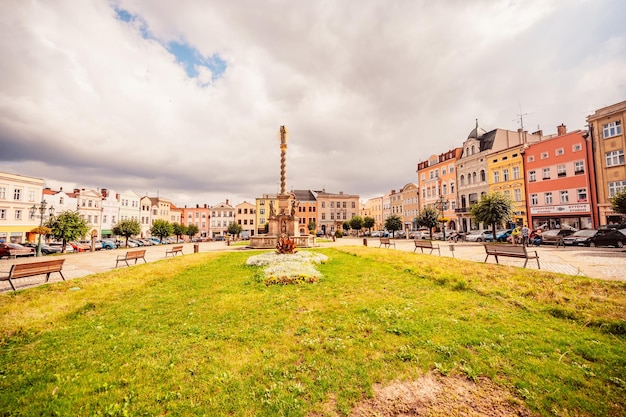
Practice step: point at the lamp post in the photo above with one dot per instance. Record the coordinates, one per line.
(42, 214)
(442, 205)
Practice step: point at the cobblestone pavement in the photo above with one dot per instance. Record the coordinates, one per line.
(600, 263)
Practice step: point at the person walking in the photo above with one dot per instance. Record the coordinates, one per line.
(525, 235)
(515, 235)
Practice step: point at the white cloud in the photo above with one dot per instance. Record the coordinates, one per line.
(86, 98)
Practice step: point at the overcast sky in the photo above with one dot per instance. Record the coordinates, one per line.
(185, 98)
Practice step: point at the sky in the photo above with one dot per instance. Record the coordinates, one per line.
(185, 99)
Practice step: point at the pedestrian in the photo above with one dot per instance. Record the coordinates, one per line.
(515, 235)
(537, 239)
(525, 235)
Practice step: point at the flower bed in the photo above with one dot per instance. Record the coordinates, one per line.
(284, 269)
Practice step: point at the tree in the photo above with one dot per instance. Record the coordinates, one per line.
(493, 209)
(356, 223)
(161, 229)
(429, 217)
(178, 230)
(191, 231)
(368, 223)
(234, 229)
(127, 228)
(345, 226)
(618, 202)
(67, 226)
(393, 223)
(312, 226)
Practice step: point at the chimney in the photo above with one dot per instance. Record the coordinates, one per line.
(197, 206)
(105, 193)
(561, 130)
(519, 130)
(539, 132)
(77, 190)
(226, 201)
(205, 205)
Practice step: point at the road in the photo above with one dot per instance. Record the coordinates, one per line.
(600, 263)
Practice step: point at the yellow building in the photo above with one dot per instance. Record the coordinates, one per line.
(263, 211)
(505, 170)
(374, 208)
(18, 194)
(410, 206)
(606, 126)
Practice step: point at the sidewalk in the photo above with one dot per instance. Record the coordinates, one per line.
(600, 263)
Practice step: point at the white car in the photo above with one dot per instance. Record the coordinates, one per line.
(476, 235)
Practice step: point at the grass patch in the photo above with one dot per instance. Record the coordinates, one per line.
(203, 335)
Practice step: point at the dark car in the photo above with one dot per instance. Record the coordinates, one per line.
(552, 237)
(219, 238)
(45, 248)
(596, 237)
(501, 235)
(17, 249)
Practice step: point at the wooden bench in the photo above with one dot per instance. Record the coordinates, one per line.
(426, 244)
(386, 242)
(175, 250)
(34, 268)
(502, 249)
(130, 255)
(14, 253)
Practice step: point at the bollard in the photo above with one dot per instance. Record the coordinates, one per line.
(365, 242)
(196, 247)
(452, 250)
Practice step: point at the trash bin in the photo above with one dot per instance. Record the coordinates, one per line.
(196, 247)
(365, 242)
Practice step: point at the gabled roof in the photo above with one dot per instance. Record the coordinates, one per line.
(304, 195)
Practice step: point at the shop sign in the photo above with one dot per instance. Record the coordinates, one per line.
(572, 208)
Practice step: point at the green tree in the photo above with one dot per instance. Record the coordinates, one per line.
(618, 202)
(312, 226)
(429, 217)
(234, 229)
(161, 229)
(345, 226)
(192, 230)
(368, 223)
(393, 223)
(356, 223)
(127, 228)
(493, 209)
(178, 230)
(67, 226)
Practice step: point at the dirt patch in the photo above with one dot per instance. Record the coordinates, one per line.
(438, 396)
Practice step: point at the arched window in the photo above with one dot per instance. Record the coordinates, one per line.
(452, 187)
(462, 179)
(444, 189)
(474, 177)
(473, 150)
(482, 175)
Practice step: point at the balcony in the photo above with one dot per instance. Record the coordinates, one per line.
(462, 210)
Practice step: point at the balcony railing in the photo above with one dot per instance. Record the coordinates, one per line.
(462, 210)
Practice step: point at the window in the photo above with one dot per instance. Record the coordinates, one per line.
(344, 205)
(332, 204)
(559, 152)
(95, 219)
(534, 200)
(612, 129)
(17, 194)
(505, 174)
(323, 204)
(516, 173)
(579, 167)
(546, 173)
(444, 189)
(3, 214)
(3, 193)
(18, 214)
(31, 195)
(104, 218)
(451, 169)
(614, 158)
(616, 187)
(547, 198)
(462, 179)
(353, 204)
(564, 196)
(581, 195)
(452, 187)
(443, 170)
(532, 176)
(507, 193)
(560, 170)
(517, 194)
(531, 158)
(577, 147)
(544, 155)
(496, 176)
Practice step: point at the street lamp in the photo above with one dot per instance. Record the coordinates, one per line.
(42, 214)
(442, 205)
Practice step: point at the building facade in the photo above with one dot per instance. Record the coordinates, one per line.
(200, 217)
(410, 206)
(505, 169)
(18, 194)
(245, 215)
(222, 216)
(607, 135)
(560, 183)
(335, 209)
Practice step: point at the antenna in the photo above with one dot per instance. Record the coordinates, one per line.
(520, 117)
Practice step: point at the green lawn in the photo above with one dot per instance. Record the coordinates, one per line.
(202, 335)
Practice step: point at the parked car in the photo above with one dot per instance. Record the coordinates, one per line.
(400, 234)
(5, 249)
(219, 238)
(476, 235)
(108, 244)
(97, 244)
(551, 237)
(155, 240)
(45, 248)
(418, 235)
(79, 247)
(596, 237)
(59, 245)
(501, 235)
(136, 242)
(146, 242)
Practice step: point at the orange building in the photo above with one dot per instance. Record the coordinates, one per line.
(560, 183)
